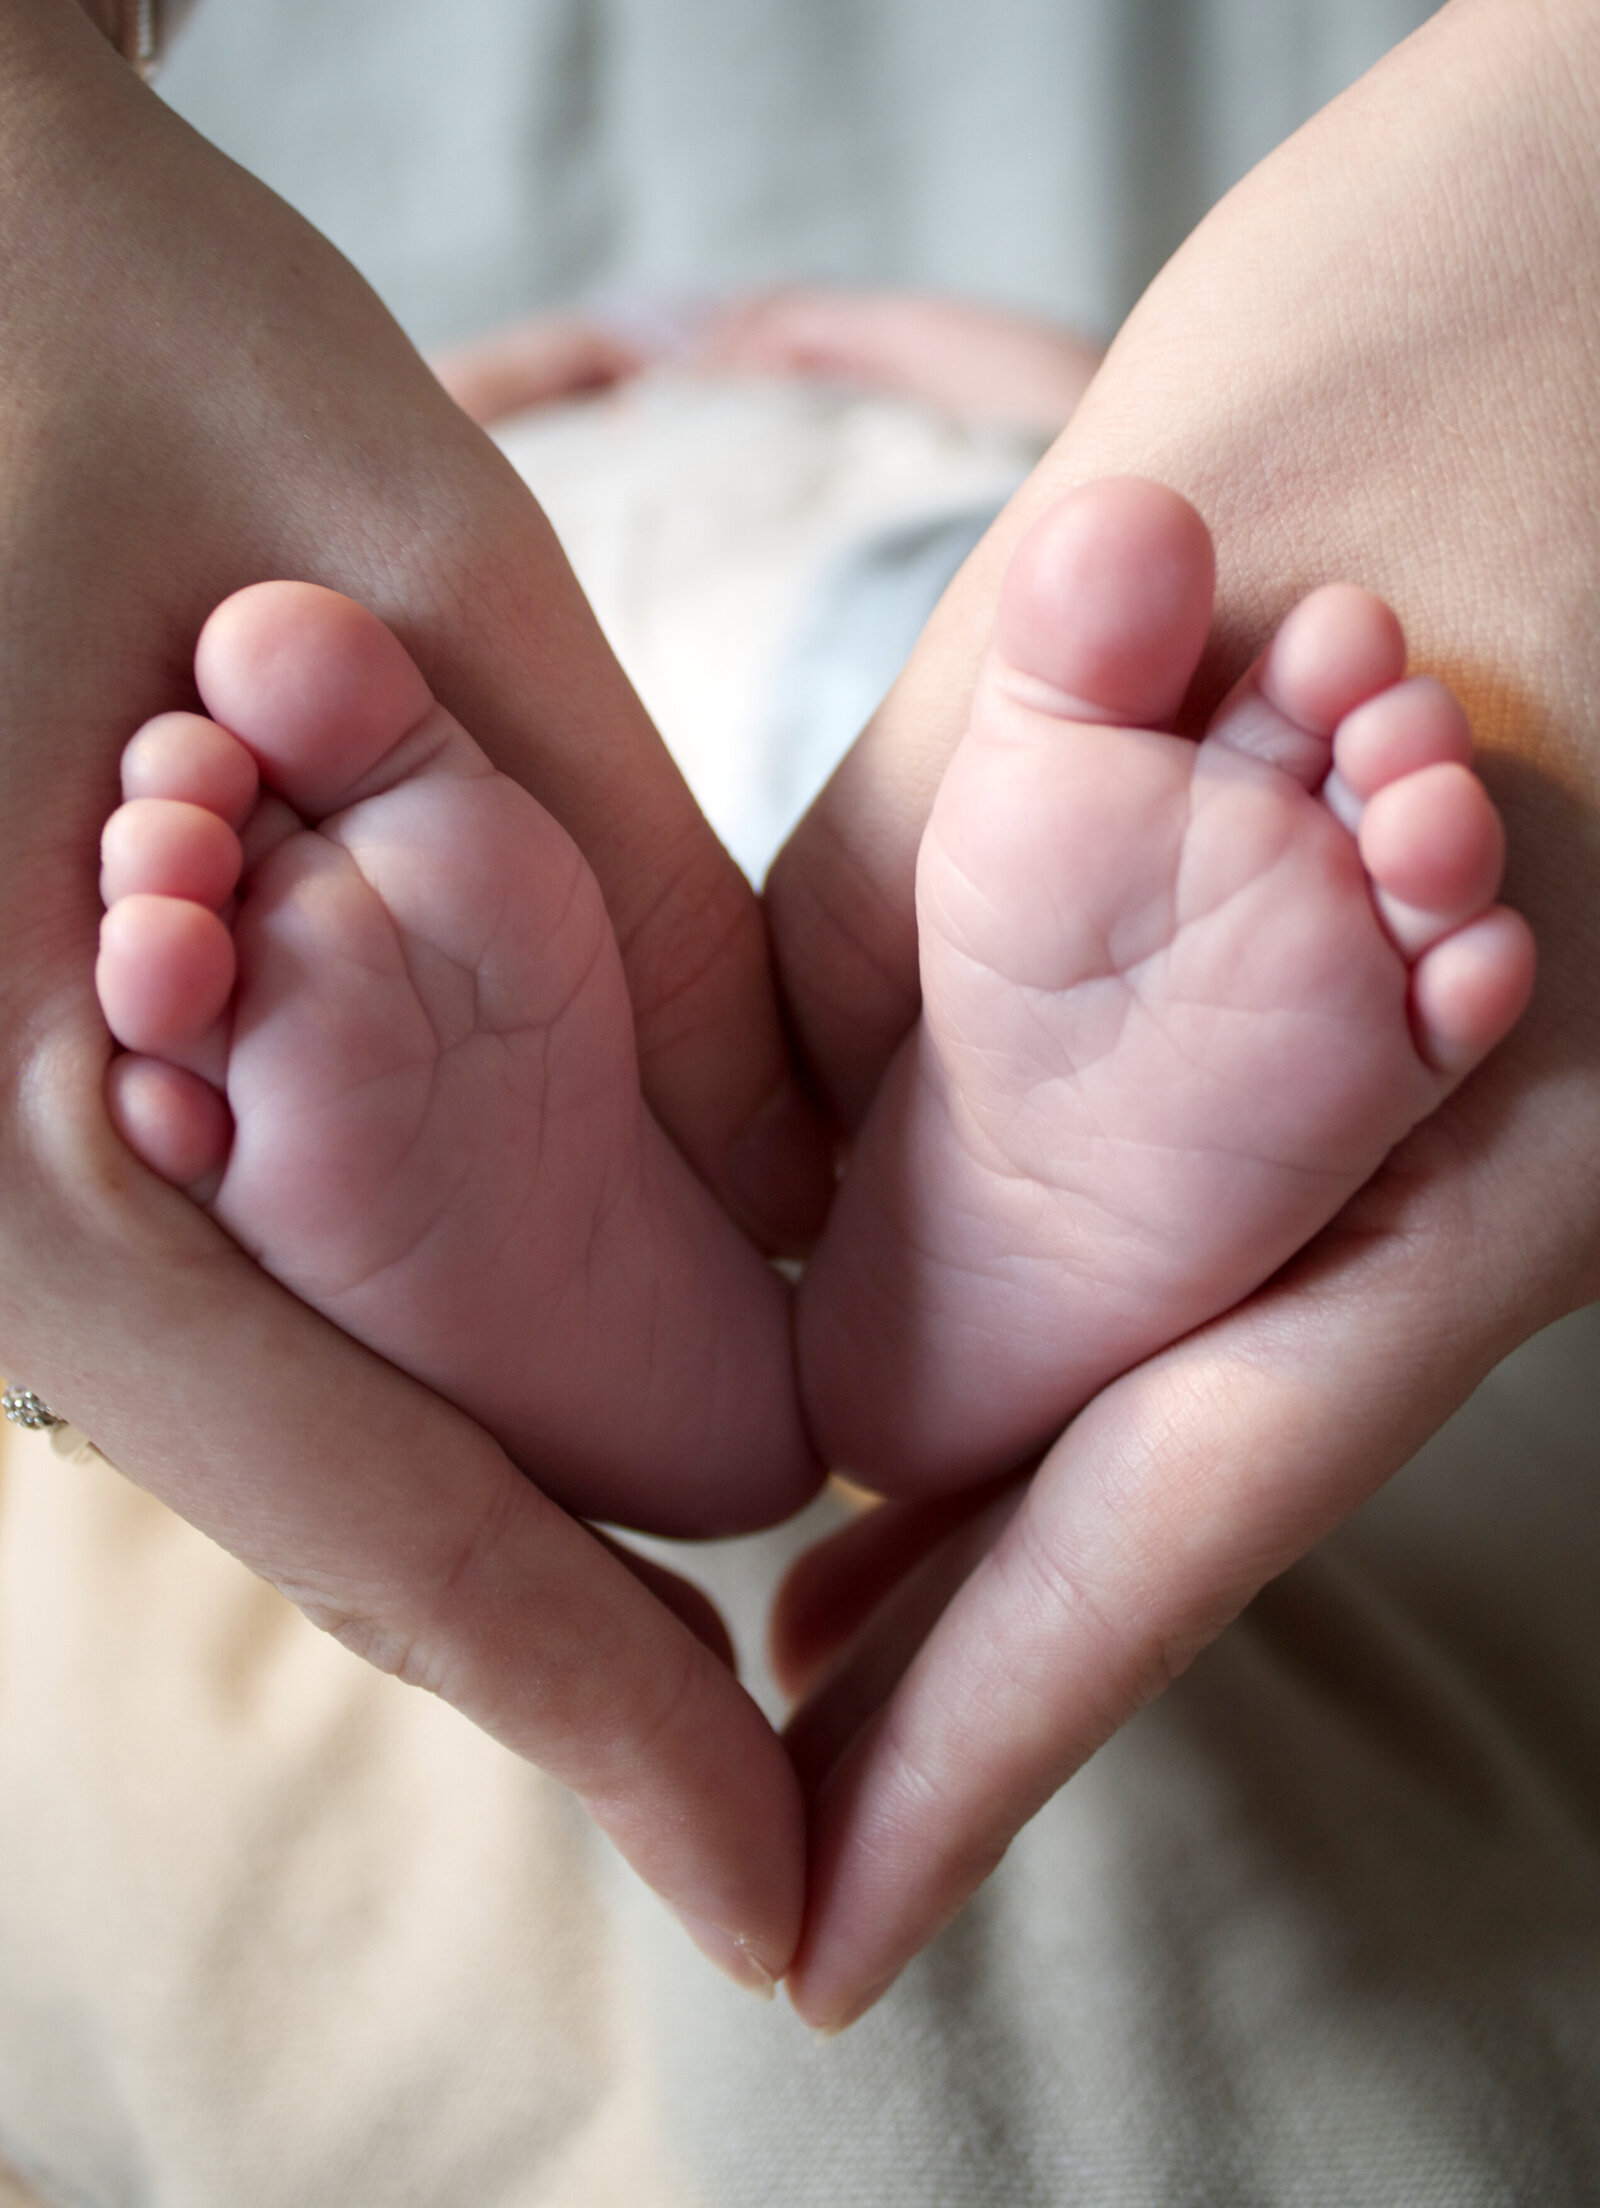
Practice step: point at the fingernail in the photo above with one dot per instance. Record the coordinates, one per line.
(732, 1956)
(780, 1171)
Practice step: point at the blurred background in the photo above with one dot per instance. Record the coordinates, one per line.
(478, 158)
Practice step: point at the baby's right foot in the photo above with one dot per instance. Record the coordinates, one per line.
(400, 1071)
(1179, 1000)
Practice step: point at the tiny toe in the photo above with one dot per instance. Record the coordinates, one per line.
(317, 687)
(164, 973)
(1334, 650)
(1106, 605)
(168, 848)
(1435, 849)
(1468, 991)
(171, 1120)
(1415, 724)
(182, 755)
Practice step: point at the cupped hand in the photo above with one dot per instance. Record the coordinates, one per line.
(196, 392)
(1374, 361)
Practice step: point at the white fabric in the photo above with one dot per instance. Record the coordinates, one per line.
(712, 525)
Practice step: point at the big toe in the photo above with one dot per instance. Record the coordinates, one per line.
(315, 685)
(1107, 604)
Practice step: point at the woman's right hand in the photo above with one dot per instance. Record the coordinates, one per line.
(196, 392)
(1375, 360)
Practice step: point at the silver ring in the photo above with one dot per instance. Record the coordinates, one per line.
(24, 1408)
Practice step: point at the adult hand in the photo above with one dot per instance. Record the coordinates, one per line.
(197, 392)
(1376, 360)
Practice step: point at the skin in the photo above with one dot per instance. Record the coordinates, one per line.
(1165, 1033)
(1375, 360)
(196, 392)
(1407, 403)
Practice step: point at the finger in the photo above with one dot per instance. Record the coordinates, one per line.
(831, 1591)
(846, 1696)
(689, 1604)
(395, 1523)
(1166, 1506)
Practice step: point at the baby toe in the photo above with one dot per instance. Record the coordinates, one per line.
(314, 684)
(1416, 724)
(1469, 989)
(1105, 608)
(185, 756)
(164, 973)
(172, 1121)
(1434, 847)
(1334, 650)
(165, 847)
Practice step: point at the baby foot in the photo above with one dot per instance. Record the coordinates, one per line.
(1179, 1000)
(376, 1021)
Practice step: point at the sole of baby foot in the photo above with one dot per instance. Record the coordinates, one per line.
(1180, 999)
(374, 1016)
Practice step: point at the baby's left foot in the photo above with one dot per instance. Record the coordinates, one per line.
(1179, 1000)
(395, 1060)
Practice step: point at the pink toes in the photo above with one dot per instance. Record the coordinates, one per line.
(164, 974)
(172, 1121)
(1469, 991)
(1107, 604)
(313, 684)
(311, 693)
(180, 755)
(1327, 704)
(171, 858)
(1434, 847)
